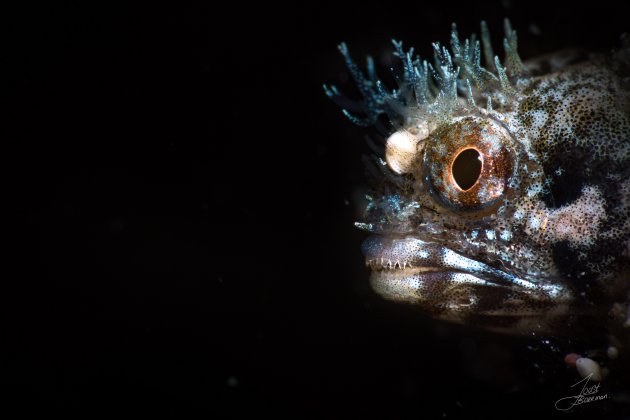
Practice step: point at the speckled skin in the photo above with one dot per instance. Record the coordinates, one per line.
(541, 242)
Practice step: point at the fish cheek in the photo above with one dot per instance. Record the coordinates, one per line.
(567, 175)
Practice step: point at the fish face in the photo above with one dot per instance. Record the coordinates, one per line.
(501, 198)
(457, 258)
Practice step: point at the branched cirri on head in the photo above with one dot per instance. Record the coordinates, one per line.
(504, 188)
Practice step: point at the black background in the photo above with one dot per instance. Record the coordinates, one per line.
(188, 192)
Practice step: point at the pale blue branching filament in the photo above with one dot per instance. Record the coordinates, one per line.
(431, 90)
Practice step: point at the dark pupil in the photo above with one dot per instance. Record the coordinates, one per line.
(467, 168)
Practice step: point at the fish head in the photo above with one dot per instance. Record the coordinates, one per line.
(502, 199)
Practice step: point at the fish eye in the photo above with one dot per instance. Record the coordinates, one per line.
(468, 163)
(466, 168)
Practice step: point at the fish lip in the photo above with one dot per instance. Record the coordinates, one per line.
(408, 252)
(413, 255)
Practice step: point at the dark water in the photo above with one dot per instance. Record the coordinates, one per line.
(189, 245)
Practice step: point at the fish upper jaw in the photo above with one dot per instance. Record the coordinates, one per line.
(409, 252)
(454, 287)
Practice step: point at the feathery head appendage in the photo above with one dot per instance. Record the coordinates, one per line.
(371, 70)
(423, 92)
(374, 95)
(363, 122)
(365, 85)
(408, 79)
(469, 59)
(446, 75)
(432, 92)
(469, 94)
(506, 86)
(487, 44)
(513, 63)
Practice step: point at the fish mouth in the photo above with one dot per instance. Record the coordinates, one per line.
(440, 280)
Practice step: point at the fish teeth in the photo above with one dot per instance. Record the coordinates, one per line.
(383, 264)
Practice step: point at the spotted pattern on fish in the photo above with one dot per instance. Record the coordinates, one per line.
(501, 194)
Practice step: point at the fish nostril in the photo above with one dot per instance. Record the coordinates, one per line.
(466, 168)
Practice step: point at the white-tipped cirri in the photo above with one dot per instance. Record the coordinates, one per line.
(400, 151)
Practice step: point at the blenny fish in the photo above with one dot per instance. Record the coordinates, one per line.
(501, 192)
